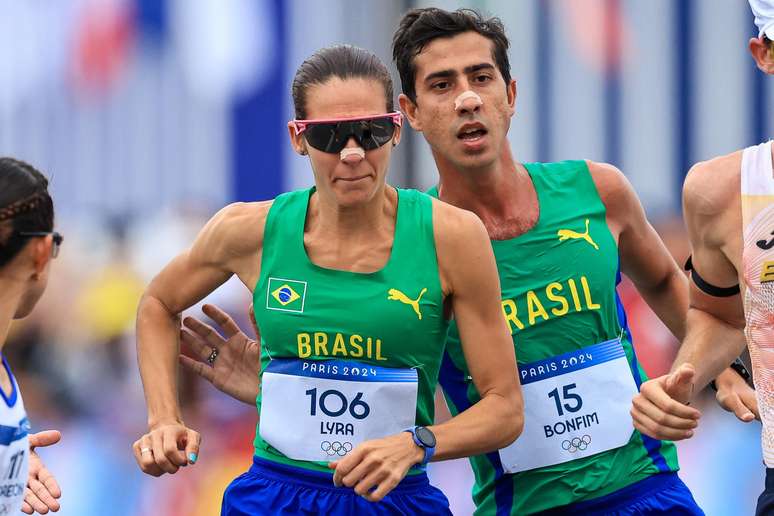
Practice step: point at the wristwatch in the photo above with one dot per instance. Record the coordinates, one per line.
(425, 439)
(740, 369)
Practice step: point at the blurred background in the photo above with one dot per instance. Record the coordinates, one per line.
(150, 115)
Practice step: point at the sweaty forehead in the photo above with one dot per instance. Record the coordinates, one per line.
(455, 53)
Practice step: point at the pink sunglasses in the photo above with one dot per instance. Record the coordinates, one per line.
(332, 134)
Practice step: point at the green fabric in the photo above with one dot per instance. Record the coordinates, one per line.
(558, 296)
(307, 311)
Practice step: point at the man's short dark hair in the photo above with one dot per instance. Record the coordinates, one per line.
(418, 27)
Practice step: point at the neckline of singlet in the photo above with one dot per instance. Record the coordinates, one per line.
(10, 399)
(532, 169)
(343, 272)
(757, 174)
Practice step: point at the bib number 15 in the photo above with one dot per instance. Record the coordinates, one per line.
(568, 400)
(357, 408)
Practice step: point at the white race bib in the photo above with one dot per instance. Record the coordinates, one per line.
(575, 405)
(319, 410)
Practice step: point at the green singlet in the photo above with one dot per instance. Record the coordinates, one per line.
(391, 318)
(559, 295)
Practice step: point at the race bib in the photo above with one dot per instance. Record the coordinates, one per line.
(319, 410)
(575, 405)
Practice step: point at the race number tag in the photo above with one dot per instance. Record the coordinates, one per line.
(575, 405)
(319, 410)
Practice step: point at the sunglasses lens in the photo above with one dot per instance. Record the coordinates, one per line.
(58, 239)
(372, 134)
(332, 137)
(326, 137)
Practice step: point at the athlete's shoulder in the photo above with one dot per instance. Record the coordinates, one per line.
(454, 224)
(461, 243)
(240, 215)
(711, 186)
(613, 187)
(235, 230)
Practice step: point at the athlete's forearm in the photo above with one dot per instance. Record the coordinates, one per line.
(710, 345)
(157, 351)
(492, 423)
(669, 300)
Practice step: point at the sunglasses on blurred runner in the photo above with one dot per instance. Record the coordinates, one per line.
(331, 135)
(57, 239)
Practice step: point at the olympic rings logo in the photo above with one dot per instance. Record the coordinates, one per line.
(336, 448)
(576, 443)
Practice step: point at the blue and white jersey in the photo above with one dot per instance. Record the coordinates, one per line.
(14, 448)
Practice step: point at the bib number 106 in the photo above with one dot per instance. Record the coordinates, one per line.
(568, 400)
(334, 403)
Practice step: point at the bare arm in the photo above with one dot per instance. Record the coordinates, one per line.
(467, 262)
(644, 257)
(221, 249)
(715, 324)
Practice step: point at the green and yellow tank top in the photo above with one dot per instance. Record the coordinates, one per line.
(345, 356)
(576, 361)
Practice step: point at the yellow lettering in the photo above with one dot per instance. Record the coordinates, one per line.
(509, 311)
(591, 305)
(535, 308)
(574, 292)
(357, 349)
(304, 349)
(379, 350)
(767, 272)
(558, 299)
(338, 346)
(320, 343)
(368, 348)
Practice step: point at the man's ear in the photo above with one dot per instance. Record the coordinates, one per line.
(763, 54)
(410, 109)
(512, 91)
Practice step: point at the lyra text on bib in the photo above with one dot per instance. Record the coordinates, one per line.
(319, 410)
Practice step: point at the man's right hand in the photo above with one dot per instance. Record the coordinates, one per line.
(660, 409)
(236, 368)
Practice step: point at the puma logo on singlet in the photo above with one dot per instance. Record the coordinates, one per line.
(396, 295)
(763, 244)
(565, 234)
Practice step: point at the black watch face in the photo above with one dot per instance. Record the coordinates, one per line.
(426, 437)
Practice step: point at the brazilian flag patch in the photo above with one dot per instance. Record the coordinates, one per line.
(286, 295)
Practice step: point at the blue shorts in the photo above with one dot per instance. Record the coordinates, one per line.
(663, 493)
(766, 499)
(271, 488)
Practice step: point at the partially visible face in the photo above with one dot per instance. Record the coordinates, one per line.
(37, 252)
(358, 181)
(32, 295)
(469, 137)
(763, 53)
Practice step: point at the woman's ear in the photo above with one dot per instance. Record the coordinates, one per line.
(296, 140)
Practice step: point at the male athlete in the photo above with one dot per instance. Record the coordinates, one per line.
(728, 205)
(562, 233)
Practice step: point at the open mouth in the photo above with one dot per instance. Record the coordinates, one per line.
(471, 133)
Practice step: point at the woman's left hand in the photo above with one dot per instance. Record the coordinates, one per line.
(375, 467)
